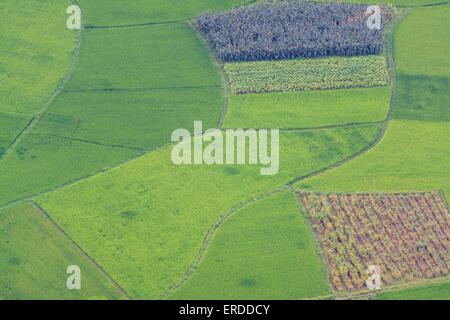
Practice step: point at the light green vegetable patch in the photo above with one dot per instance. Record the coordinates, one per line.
(307, 74)
(308, 109)
(263, 251)
(35, 256)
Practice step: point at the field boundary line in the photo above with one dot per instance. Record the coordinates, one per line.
(47, 216)
(87, 141)
(210, 236)
(145, 24)
(318, 128)
(389, 51)
(226, 91)
(139, 89)
(56, 92)
(96, 173)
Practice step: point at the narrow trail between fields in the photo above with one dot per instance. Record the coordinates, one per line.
(46, 216)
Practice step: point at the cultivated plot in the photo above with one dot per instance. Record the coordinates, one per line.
(263, 251)
(308, 109)
(145, 221)
(307, 74)
(118, 12)
(35, 256)
(405, 235)
(159, 56)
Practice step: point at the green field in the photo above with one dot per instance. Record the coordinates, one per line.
(413, 155)
(308, 109)
(11, 124)
(263, 251)
(306, 74)
(118, 12)
(35, 256)
(143, 72)
(42, 162)
(152, 249)
(140, 119)
(439, 291)
(159, 56)
(37, 38)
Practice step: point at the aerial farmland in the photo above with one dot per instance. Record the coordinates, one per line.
(224, 150)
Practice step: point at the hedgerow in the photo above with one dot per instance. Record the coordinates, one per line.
(292, 30)
(306, 74)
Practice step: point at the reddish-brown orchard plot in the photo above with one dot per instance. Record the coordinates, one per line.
(406, 235)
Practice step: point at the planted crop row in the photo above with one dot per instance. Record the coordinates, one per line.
(292, 30)
(407, 236)
(307, 74)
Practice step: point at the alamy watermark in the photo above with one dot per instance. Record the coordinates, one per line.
(230, 146)
(74, 280)
(374, 280)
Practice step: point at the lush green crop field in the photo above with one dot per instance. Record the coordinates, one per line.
(39, 163)
(308, 109)
(159, 56)
(118, 12)
(440, 291)
(145, 221)
(11, 124)
(35, 52)
(263, 251)
(141, 119)
(35, 256)
(306, 74)
(413, 154)
(129, 117)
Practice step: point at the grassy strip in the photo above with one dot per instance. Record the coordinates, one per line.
(308, 109)
(35, 257)
(436, 291)
(307, 74)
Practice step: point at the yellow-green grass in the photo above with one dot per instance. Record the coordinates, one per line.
(119, 12)
(308, 109)
(11, 124)
(414, 153)
(35, 256)
(145, 221)
(40, 163)
(306, 74)
(35, 52)
(263, 251)
(141, 119)
(438, 291)
(159, 56)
